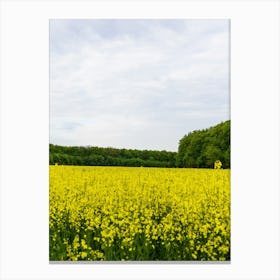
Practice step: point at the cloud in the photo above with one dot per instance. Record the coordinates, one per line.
(136, 83)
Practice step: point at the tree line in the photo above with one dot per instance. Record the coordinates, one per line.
(94, 156)
(198, 149)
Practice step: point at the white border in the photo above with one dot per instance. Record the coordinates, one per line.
(255, 138)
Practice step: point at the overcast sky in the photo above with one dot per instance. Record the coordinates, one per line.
(140, 84)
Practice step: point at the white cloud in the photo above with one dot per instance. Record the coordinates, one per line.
(136, 83)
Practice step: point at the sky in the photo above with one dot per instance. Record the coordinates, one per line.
(137, 84)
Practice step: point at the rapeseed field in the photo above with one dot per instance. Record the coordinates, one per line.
(126, 213)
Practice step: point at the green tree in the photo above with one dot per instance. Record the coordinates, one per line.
(201, 148)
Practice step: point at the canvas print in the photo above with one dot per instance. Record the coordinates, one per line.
(139, 149)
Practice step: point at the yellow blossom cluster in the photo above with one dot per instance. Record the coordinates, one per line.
(127, 213)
